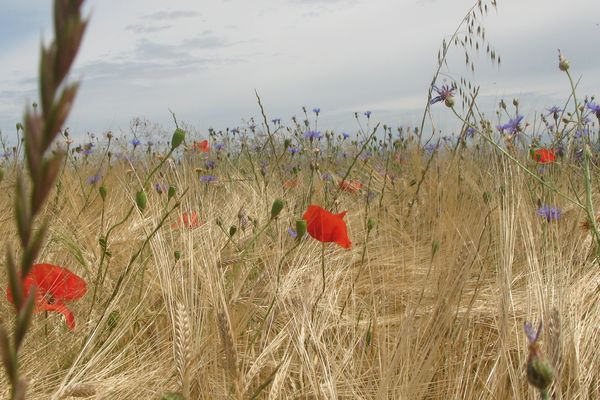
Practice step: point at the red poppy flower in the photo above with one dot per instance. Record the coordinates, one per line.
(351, 186)
(201, 146)
(188, 220)
(290, 183)
(544, 156)
(54, 286)
(327, 227)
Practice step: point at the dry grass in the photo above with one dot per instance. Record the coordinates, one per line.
(418, 324)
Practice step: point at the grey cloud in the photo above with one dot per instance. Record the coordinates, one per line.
(141, 28)
(205, 42)
(175, 14)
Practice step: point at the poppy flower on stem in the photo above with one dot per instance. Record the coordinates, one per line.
(53, 287)
(327, 227)
(201, 146)
(544, 156)
(188, 220)
(350, 186)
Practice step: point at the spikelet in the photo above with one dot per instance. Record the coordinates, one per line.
(182, 345)
(79, 390)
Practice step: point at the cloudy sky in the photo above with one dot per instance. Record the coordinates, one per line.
(204, 59)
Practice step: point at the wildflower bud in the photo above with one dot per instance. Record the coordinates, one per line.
(276, 208)
(219, 221)
(232, 230)
(177, 255)
(539, 372)
(171, 192)
(172, 396)
(1, 174)
(516, 102)
(103, 192)
(177, 138)
(141, 200)
(113, 320)
(449, 101)
(287, 143)
(435, 247)
(563, 63)
(502, 104)
(300, 228)
(487, 197)
(370, 224)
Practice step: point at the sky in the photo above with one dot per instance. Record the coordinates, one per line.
(205, 59)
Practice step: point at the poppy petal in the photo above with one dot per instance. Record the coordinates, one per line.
(327, 227)
(60, 307)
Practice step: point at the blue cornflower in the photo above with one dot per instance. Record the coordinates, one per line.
(445, 94)
(316, 110)
(292, 233)
(207, 178)
(136, 142)
(554, 111)
(160, 188)
(218, 146)
(549, 212)
(7, 154)
(512, 126)
(326, 176)
(92, 180)
(595, 108)
(430, 148)
(293, 150)
(210, 164)
(367, 114)
(313, 135)
(276, 121)
(470, 132)
(235, 130)
(345, 135)
(87, 152)
(366, 155)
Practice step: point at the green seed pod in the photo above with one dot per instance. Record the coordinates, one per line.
(276, 208)
(1, 174)
(232, 230)
(300, 229)
(177, 139)
(103, 192)
(435, 247)
(370, 224)
(141, 200)
(449, 102)
(177, 255)
(287, 143)
(172, 396)
(539, 372)
(171, 192)
(113, 320)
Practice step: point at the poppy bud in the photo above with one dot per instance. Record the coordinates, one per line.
(232, 230)
(103, 192)
(113, 320)
(172, 396)
(177, 139)
(370, 224)
(177, 255)
(276, 208)
(141, 200)
(171, 192)
(300, 229)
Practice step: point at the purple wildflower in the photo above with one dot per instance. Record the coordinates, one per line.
(512, 126)
(532, 334)
(317, 110)
(444, 93)
(136, 142)
(293, 234)
(313, 135)
(218, 146)
(293, 150)
(549, 212)
(210, 164)
(208, 178)
(554, 111)
(593, 107)
(345, 135)
(470, 132)
(160, 188)
(367, 114)
(276, 121)
(92, 180)
(88, 152)
(326, 176)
